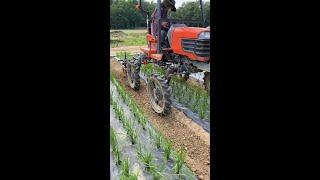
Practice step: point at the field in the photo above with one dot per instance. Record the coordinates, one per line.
(139, 150)
(128, 38)
(145, 145)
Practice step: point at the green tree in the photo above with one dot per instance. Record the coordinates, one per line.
(124, 15)
(191, 11)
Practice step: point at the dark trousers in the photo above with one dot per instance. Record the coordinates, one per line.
(163, 37)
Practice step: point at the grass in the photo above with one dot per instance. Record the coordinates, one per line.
(149, 68)
(123, 54)
(133, 38)
(128, 31)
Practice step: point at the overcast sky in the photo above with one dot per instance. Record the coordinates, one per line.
(179, 2)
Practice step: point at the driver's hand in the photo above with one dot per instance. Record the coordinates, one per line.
(165, 24)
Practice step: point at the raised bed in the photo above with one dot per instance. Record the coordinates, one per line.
(150, 154)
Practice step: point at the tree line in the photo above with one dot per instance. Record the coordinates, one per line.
(124, 15)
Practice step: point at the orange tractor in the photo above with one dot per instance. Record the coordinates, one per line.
(186, 50)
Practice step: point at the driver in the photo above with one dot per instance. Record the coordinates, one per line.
(166, 7)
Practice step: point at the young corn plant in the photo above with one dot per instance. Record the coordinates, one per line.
(135, 111)
(143, 122)
(147, 159)
(202, 112)
(159, 140)
(151, 133)
(114, 146)
(121, 114)
(139, 149)
(132, 132)
(130, 177)
(157, 175)
(204, 107)
(125, 167)
(179, 161)
(167, 149)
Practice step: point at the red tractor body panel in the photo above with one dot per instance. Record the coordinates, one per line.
(187, 33)
(179, 34)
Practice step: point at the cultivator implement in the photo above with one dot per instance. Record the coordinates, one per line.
(184, 50)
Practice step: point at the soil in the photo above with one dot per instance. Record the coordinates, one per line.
(131, 49)
(176, 126)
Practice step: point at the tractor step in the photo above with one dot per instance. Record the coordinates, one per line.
(156, 56)
(167, 49)
(147, 50)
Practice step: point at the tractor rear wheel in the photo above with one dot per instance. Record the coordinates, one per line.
(159, 95)
(133, 68)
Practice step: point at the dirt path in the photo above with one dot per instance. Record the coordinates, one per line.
(131, 49)
(176, 127)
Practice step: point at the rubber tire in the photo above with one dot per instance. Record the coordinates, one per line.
(167, 95)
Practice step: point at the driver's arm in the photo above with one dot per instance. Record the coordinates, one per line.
(165, 26)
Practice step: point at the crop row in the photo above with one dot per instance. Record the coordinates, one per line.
(145, 156)
(123, 163)
(191, 96)
(160, 142)
(122, 55)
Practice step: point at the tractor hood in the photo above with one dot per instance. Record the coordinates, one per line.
(192, 42)
(189, 32)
